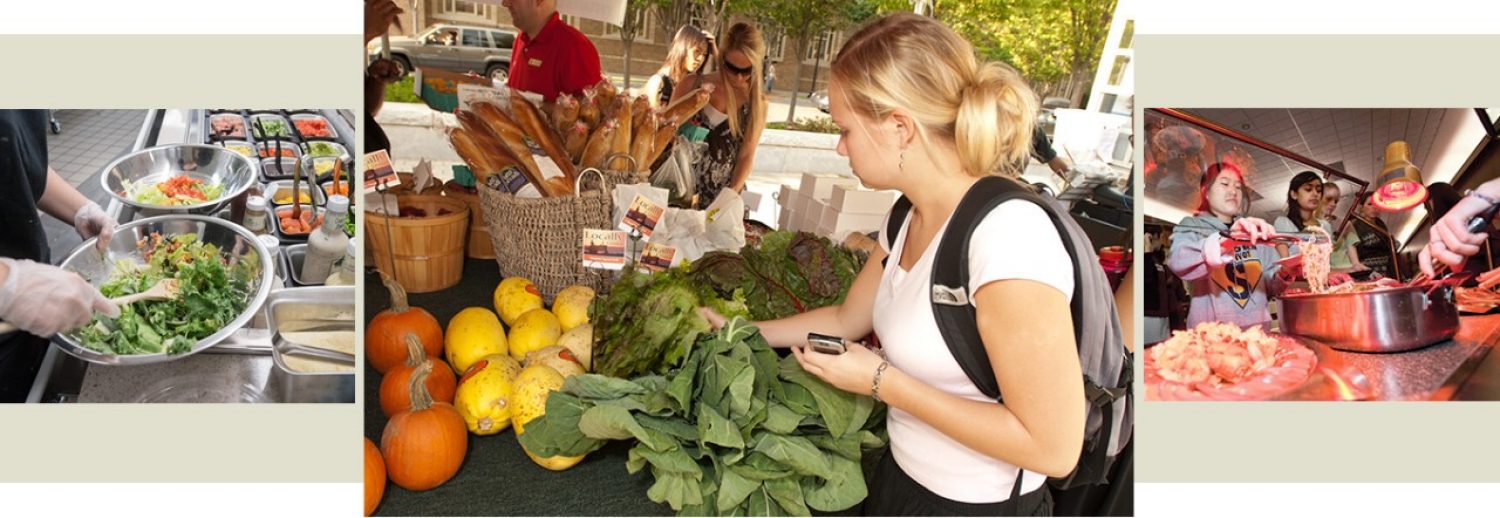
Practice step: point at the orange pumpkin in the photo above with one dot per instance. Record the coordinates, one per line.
(424, 446)
(374, 477)
(441, 384)
(385, 336)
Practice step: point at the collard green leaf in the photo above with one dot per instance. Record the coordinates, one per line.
(675, 489)
(788, 494)
(614, 422)
(733, 489)
(797, 452)
(672, 461)
(757, 466)
(714, 428)
(760, 503)
(675, 427)
(556, 432)
(842, 412)
(799, 399)
(781, 420)
(594, 386)
(847, 446)
(681, 387)
(843, 489)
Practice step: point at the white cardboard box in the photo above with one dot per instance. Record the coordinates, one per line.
(787, 220)
(854, 200)
(846, 223)
(752, 200)
(820, 187)
(784, 196)
(812, 217)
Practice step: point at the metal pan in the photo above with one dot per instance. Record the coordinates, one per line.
(1382, 320)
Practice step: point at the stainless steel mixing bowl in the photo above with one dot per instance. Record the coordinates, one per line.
(236, 245)
(211, 164)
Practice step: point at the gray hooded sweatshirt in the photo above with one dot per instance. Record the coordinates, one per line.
(1236, 293)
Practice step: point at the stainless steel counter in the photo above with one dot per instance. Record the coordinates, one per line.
(1435, 372)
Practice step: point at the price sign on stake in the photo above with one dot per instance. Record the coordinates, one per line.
(656, 257)
(603, 249)
(642, 216)
(378, 169)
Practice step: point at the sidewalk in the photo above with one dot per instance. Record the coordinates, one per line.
(90, 140)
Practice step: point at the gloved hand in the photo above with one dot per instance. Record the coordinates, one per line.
(1213, 251)
(91, 220)
(44, 300)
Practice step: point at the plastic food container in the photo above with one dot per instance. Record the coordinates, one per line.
(226, 125)
(313, 126)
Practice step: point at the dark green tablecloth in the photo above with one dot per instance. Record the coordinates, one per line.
(497, 479)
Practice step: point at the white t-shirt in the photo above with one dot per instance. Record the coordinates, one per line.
(1015, 241)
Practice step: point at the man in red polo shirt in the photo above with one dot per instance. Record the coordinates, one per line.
(550, 57)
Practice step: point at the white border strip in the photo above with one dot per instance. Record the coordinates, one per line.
(219, 500)
(1372, 500)
(1209, 17)
(200, 17)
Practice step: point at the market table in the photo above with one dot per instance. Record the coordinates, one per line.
(497, 479)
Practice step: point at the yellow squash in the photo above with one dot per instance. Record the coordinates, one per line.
(537, 329)
(572, 306)
(530, 400)
(514, 297)
(472, 334)
(486, 394)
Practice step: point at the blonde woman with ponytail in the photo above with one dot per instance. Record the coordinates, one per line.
(920, 114)
(735, 114)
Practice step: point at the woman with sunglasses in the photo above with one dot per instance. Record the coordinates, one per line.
(735, 114)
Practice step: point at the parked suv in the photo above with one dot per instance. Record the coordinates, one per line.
(457, 48)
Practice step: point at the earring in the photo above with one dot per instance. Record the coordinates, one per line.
(901, 166)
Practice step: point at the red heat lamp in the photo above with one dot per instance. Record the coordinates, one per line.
(1400, 182)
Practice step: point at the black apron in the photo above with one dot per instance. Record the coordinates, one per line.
(1374, 248)
(894, 493)
(23, 177)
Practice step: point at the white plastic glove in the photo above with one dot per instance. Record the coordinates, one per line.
(91, 220)
(1213, 251)
(44, 300)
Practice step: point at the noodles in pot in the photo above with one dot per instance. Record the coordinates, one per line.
(1315, 257)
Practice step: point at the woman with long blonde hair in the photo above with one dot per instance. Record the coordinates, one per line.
(920, 114)
(735, 114)
(690, 51)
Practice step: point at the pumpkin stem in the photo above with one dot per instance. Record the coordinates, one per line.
(398, 294)
(420, 398)
(414, 352)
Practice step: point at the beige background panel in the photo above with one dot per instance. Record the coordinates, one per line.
(1316, 442)
(182, 443)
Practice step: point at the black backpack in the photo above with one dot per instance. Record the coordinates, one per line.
(1107, 364)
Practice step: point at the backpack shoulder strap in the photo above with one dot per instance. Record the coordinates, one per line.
(951, 307)
(899, 211)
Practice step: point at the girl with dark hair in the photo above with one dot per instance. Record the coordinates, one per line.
(1238, 290)
(1304, 199)
(690, 50)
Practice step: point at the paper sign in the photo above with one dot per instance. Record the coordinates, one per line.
(508, 180)
(378, 170)
(421, 175)
(603, 249)
(642, 216)
(656, 257)
(469, 93)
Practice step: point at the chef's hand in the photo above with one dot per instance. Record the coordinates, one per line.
(1256, 228)
(91, 221)
(44, 300)
(1449, 239)
(853, 371)
(715, 320)
(379, 15)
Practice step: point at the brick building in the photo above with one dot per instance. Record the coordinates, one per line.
(646, 53)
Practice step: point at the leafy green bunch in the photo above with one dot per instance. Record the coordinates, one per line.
(735, 431)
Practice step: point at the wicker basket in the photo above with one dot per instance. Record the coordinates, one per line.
(540, 239)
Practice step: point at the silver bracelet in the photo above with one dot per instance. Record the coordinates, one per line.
(1482, 196)
(875, 385)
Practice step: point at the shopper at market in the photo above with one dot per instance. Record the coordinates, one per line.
(690, 51)
(738, 90)
(550, 57)
(379, 16)
(919, 114)
(40, 299)
(1236, 290)
(1450, 241)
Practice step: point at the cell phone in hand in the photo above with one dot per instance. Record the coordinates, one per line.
(826, 344)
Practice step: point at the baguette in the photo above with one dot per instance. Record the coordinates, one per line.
(543, 135)
(478, 131)
(606, 92)
(588, 110)
(640, 109)
(512, 139)
(577, 139)
(564, 113)
(598, 146)
(689, 104)
(663, 138)
(644, 127)
(470, 152)
(622, 133)
(560, 186)
(640, 150)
